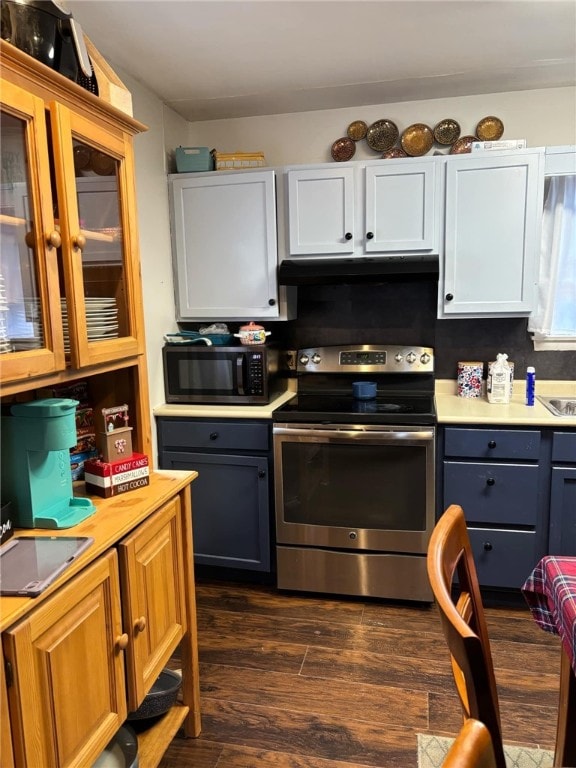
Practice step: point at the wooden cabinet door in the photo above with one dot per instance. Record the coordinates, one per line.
(151, 563)
(492, 235)
(67, 697)
(400, 203)
(31, 342)
(97, 219)
(6, 752)
(225, 245)
(321, 206)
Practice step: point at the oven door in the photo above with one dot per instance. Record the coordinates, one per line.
(358, 487)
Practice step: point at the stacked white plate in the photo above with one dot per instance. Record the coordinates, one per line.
(101, 319)
(24, 325)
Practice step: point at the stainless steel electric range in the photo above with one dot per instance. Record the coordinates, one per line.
(355, 478)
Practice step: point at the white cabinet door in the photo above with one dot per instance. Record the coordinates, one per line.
(492, 236)
(321, 211)
(224, 245)
(400, 207)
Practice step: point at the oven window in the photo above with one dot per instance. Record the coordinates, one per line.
(381, 487)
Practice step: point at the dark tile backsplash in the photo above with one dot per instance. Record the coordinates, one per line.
(404, 312)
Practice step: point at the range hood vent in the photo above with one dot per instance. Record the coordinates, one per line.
(357, 270)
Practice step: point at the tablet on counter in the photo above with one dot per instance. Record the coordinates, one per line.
(29, 564)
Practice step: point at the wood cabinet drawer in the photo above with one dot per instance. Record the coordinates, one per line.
(504, 494)
(217, 435)
(503, 558)
(564, 447)
(492, 443)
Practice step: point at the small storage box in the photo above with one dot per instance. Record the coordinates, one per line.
(194, 159)
(229, 161)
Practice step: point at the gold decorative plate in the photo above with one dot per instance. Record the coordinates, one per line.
(490, 129)
(417, 139)
(357, 130)
(390, 154)
(343, 149)
(462, 145)
(446, 131)
(382, 135)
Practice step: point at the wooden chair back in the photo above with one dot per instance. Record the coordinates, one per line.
(464, 623)
(472, 748)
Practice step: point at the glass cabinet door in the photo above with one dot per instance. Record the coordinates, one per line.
(30, 321)
(99, 253)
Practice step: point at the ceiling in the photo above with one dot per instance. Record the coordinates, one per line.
(218, 59)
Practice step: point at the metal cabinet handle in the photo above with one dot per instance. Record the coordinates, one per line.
(140, 624)
(487, 546)
(492, 444)
(369, 235)
(348, 235)
(449, 296)
(490, 481)
(214, 435)
(122, 642)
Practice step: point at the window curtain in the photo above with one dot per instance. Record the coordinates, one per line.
(555, 314)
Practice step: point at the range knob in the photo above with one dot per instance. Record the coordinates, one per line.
(316, 358)
(303, 359)
(410, 358)
(425, 358)
(398, 357)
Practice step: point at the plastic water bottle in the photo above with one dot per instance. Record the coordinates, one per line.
(530, 384)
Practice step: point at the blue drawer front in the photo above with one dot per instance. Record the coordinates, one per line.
(564, 447)
(191, 434)
(493, 493)
(503, 558)
(492, 443)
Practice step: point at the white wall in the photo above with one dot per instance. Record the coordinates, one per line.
(543, 117)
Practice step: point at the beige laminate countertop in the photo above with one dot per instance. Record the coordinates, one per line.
(452, 409)
(225, 411)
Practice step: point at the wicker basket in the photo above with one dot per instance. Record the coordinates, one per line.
(230, 161)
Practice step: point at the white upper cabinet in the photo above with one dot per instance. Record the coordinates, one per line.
(321, 205)
(364, 209)
(224, 245)
(400, 207)
(492, 234)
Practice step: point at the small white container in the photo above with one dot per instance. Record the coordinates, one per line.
(500, 380)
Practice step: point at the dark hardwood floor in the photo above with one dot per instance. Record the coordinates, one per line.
(307, 681)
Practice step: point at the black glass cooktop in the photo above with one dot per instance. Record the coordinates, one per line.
(324, 408)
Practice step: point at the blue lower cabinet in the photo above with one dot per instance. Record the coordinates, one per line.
(563, 511)
(503, 559)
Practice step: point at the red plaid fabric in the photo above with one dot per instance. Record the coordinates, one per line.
(550, 592)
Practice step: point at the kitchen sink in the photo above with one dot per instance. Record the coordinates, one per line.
(559, 406)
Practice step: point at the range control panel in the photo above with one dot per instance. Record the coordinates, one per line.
(366, 358)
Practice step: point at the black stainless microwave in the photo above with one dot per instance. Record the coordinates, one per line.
(225, 375)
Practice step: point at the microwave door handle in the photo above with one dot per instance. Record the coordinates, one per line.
(240, 373)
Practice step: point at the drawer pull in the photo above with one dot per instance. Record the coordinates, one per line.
(214, 435)
(140, 624)
(122, 642)
(492, 444)
(490, 481)
(487, 546)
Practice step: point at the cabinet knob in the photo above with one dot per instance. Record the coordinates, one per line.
(261, 473)
(492, 444)
(490, 481)
(79, 242)
(29, 239)
(369, 235)
(348, 235)
(271, 302)
(449, 296)
(487, 546)
(214, 435)
(140, 624)
(122, 642)
(54, 239)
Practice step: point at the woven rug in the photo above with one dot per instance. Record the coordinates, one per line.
(432, 751)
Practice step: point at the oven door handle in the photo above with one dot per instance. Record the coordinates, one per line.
(381, 436)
